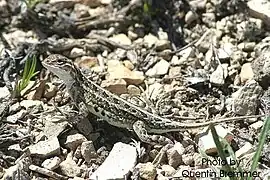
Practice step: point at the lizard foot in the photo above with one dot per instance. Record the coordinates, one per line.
(140, 129)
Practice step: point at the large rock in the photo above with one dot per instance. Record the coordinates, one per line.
(261, 69)
(245, 100)
(46, 148)
(118, 164)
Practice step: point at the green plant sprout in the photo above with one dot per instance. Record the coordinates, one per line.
(28, 73)
(262, 138)
(31, 3)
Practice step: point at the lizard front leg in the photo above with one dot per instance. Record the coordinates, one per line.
(140, 129)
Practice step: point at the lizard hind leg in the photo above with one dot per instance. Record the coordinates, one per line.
(140, 129)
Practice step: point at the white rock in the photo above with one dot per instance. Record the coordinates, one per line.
(119, 71)
(74, 140)
(9, 173)
(162, 35)
(146, 170)
(160, 68)
(118, 164)
(132, 35)
(112, 64)
(246, 73)
(121, 39)
(246, 149)
(76, 52)
(219, 75)
(54, 126)
(132, 56)
(190, 17)
(46, 148)
(15, 107)
(128, 64)
(22, 132)
(31, 103)
(138, 41)
(257, 125)
(69, 167)
(117, 86)
(228, 48)
(174, 71)
(162, 45)
(169, 170)
(150, 40)
(19, 36)
(15, 117)
(187, 159)
(4, 92)
(106, 2)
(51, 163)
(175, 60)
(15, 148)
(198, 4)
(222, 54)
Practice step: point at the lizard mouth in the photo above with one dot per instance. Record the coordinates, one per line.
(59, 72)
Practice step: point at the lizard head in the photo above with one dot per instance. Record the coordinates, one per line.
(62, 67)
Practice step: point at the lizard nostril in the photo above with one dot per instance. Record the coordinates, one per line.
(103, 113)
(96, 109)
